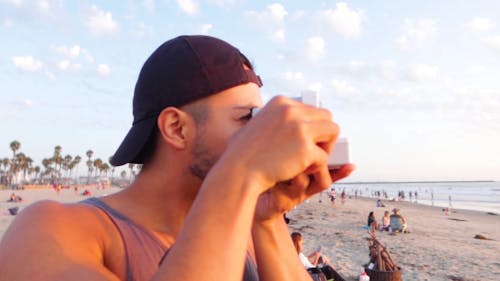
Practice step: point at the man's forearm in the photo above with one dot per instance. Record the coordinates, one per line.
(214, 238)
(276, 256)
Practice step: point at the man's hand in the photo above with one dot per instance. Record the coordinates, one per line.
(284, 196)
(285, 139)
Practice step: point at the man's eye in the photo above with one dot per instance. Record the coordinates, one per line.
(246, 117)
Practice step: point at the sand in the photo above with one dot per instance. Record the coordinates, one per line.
(439, 247)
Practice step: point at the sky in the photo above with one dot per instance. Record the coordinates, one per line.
(414, 85)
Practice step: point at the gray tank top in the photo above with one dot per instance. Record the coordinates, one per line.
(143, 251)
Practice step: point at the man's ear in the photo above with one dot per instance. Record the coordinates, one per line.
(174, 126)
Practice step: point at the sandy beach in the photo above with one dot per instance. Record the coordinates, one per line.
(439, 247)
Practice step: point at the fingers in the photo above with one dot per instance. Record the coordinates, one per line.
(342, 172)
(321, 181)
(307, 112)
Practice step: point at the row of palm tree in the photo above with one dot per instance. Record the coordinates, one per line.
(55, 167)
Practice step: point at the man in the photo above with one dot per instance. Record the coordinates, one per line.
(215, 183)
(398, 222)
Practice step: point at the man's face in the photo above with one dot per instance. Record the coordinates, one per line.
(228, 111)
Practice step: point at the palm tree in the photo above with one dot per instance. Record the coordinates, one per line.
(5, 162)
(98, 166)
(58, 160)
(105, 168)
(89, 154)
(75, 163)
(49, 169)
(36, 169)
(15, 145)
(66, 163)
(131, 167)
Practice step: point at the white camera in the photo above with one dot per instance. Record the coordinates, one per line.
(340, 152)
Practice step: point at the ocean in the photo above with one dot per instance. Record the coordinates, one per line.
(478, 195)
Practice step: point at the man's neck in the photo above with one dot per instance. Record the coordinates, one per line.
(158, 200)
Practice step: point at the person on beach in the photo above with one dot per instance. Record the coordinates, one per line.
(311, 260)
(372, 222)
(315, 259)
(333, 195)
(15, 198)
(398, 222)
(386, 221)
(208, 203)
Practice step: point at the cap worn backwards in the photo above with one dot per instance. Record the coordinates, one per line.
(180, 71)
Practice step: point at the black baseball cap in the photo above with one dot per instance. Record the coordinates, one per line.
(180, 71)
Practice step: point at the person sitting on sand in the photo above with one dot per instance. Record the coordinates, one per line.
(86, 192)
(379, 203)
(398, 221)
(15, 198)
(372, 222)
(386, 221)
(315, 260)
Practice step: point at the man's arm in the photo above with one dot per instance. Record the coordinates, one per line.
(47, 242)
(276, 255)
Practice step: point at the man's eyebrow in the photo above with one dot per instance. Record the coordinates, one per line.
(245, 107)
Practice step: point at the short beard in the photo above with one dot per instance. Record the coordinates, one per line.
(203, 161)
(203, 158)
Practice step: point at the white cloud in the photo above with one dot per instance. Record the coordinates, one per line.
(27, 103)
(224, 3)
(27, 63)
(314, 49)
(274, 15)
(88, 57)
(142, 30)
(50, 75)
(416, 34)
(292, 76)
(71, 52)
(493, 42)
(388, 70)
(100, 22)
(149, 4)
(278, 36)
(342, 20)
(15, 2)
(290, 81)
(103, 69)
(271, 20)
(189, 7)
(297, 15)
(43, 6)
(342, 87)
(63, 65)
(277, 12)
(7, 23)
(480, 25)
(356, 66)
(205, 28)
(476, 70)
(422, 72)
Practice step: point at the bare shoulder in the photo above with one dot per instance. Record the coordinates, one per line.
(47, 237)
